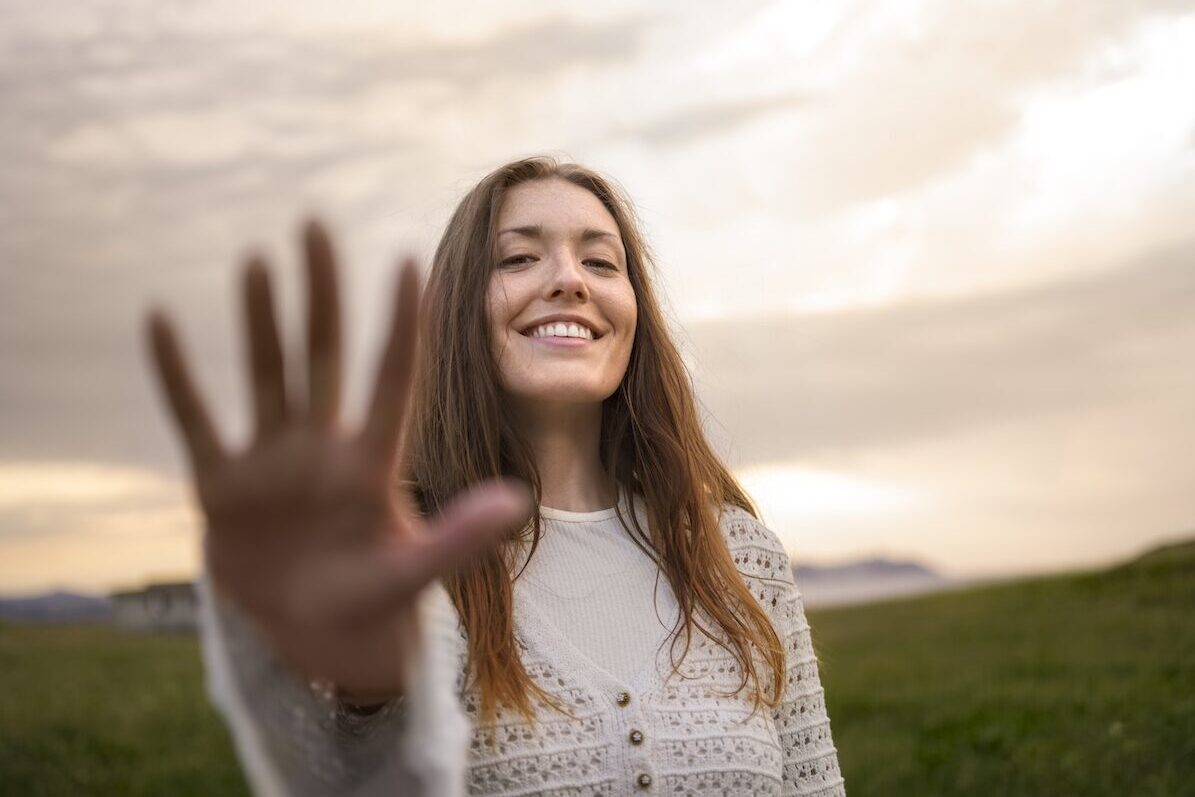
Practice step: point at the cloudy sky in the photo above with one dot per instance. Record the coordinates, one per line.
(932, 263)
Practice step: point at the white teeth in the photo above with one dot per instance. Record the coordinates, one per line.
(562, 330)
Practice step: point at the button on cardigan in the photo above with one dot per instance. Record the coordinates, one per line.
(653, 731)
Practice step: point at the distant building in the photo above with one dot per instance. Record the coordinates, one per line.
(158, 607)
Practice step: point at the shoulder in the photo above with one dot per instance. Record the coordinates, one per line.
(764, 565)
(757, 552)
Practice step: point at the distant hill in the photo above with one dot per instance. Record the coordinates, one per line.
(864, 568)
(865, 580)
(56, 607)
(1173, 555)
(880, 578)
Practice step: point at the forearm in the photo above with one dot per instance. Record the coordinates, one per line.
(299, 738)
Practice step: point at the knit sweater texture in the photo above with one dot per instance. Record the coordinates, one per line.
(593, 621)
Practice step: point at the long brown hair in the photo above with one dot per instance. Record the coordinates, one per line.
(462, 432)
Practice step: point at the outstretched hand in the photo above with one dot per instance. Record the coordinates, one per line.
(305, 530)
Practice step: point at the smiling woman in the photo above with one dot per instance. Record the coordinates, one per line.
(640, 632)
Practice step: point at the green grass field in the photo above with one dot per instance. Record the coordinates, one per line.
(1080, 684)
(94, 711)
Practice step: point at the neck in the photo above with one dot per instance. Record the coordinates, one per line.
(565, 440)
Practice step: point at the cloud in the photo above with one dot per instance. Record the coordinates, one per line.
(924, 102)
(73, 483)
(113, 74)
(895, 100)
(92, 524)
(826, 385)
(685, 125)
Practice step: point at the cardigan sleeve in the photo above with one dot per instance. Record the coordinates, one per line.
(802, 723)
(294, 738)
(810, 758)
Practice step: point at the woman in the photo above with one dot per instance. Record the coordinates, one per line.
(639, 633)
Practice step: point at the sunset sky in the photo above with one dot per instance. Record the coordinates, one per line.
(932, 263)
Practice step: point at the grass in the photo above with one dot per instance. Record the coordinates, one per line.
(1080, 684)
(94, 711)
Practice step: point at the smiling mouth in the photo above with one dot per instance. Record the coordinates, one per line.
(561, 331)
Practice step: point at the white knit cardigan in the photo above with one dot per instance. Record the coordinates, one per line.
(675, 733)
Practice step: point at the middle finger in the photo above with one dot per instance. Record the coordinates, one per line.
(265, 351)
(323, 326)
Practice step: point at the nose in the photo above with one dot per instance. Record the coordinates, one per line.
(566, 278)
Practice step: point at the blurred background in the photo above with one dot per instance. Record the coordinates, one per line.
(932, 263)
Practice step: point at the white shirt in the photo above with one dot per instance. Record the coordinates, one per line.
(591, 582)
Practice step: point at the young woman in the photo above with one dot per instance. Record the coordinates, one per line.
(527, 573)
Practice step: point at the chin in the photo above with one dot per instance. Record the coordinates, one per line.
(563, 394)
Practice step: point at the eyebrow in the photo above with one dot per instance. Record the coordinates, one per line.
(537, 231)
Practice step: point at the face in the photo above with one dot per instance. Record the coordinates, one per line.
(562, 309)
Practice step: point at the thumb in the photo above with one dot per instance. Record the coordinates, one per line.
(470, 525)
(360, 588)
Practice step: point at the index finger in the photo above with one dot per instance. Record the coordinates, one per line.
(323, 325)
(181, 395)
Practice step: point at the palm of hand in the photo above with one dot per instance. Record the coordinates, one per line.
(304, 530)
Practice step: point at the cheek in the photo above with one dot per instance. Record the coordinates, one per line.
(628, 313)
(495, 302)
(499, 311)
(502, 306)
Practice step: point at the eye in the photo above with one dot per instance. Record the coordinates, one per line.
(603, 264)
(515, 260)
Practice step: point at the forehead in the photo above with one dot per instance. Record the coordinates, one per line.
(556, 205)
